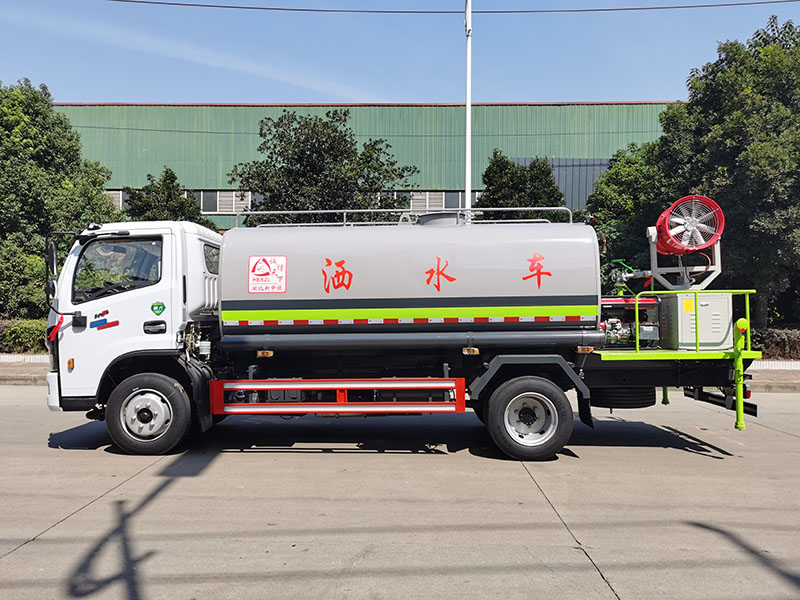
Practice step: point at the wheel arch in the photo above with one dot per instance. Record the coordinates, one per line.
(191, 374)
(506, 366)
(553, 367)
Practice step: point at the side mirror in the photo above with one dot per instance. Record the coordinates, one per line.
(51, 260)
(50, 289)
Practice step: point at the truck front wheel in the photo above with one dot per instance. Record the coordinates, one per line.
(148, 413)
(529, 418)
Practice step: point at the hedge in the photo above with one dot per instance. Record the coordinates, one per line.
(777, 343)
(22, 336)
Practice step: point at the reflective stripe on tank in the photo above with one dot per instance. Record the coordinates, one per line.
(432, 320)
(403, 315)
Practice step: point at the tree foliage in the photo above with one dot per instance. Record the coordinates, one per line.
(164, 199)
(313, 163)
(511, 185)
(45, 186)
(736, 140)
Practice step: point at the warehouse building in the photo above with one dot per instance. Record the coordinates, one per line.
(202, 143)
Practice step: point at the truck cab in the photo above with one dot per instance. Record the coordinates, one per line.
(126, 294)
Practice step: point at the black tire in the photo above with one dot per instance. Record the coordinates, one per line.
(148, 413)
(529, 418)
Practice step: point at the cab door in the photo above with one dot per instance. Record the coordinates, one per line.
(123, 289)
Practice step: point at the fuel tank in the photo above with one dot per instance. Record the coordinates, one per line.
(407, 278)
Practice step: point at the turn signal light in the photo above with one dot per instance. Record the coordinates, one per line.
(584, 349)
(470, 351)
(71, 364)
(264, 354)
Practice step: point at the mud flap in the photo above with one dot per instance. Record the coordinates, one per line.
(585, 410)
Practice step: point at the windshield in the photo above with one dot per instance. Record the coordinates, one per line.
(115, 266)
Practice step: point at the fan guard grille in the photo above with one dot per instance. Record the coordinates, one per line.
(690, 224)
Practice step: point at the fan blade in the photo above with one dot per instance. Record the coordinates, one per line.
(676, 230)
(686, 237)
(705, 218)
(698, 238)
(706, 228)
(676, 219)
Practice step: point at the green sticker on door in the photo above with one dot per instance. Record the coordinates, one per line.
(158, 308)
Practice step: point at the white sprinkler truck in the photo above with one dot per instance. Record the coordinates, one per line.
(158, 327)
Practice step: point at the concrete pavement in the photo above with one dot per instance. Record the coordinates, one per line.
(667, 502)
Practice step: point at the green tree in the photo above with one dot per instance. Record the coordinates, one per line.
(164, 199)
(45, 186)
(736, 140)
(313, 163)
(511, 185)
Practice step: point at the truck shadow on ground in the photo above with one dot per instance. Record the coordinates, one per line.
(434, 435)
(422, 434)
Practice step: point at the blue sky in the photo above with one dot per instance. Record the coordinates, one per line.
(98, 51)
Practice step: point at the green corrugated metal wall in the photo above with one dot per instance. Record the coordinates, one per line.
(202, 143)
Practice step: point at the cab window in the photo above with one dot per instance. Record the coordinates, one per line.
(211, 254)
(109, 267)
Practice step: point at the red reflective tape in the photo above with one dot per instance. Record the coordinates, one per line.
(391, 321)
(578, 318)
(270, 322)
(451, 319)
(108, 325)
(330, 321)
(244, 323)
(541, 319)
(425, 321)
(301, 322)
(361, 321)
(511, 319)
(481, 319)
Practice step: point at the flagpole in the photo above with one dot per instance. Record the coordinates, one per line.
(468, 128)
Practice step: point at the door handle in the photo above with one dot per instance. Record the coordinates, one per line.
(155, 327)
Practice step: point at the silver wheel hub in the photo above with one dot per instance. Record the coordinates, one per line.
(146, 415)
(531, 419)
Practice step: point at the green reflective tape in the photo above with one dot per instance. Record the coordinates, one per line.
(410, 313)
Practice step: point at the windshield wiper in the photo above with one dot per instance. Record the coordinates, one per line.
(114, 287)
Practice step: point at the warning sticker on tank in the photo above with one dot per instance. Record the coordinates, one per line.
(266, 275)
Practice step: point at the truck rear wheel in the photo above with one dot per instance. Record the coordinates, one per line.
(529, 418)
(148, 413)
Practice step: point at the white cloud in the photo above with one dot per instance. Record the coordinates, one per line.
(136, 41)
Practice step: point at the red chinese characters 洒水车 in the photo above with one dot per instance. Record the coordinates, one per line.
(338, 278)
(536, 269)
(438, 272)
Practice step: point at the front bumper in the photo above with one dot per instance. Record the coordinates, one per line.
(53, 397)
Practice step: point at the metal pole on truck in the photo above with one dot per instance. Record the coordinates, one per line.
(468, 128)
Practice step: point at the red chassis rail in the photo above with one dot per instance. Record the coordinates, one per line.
(219, 389)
